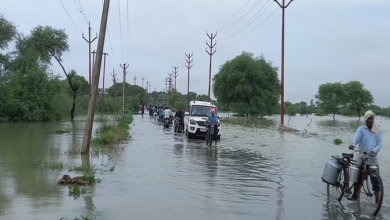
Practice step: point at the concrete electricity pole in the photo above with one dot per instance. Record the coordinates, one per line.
(104, 76)
(147, 84)
(89, 41)
(135, 80)
(175, 75)
(114, 80)
(149, 87)
(124, 67)
(143, 82)
(211, 53)
(189, 66)
(283, 6)
(169, 88)
(85, 147)
(166, 86)
(93, 62)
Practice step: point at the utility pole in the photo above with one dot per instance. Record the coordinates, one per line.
(93, 62)
(175, 75)
(211, 53)
(124, 67)
(143, 82)
(169, 88)
(283, 6)
(147, 84)
(189, 66)
(89, 41)
(135, 80)
(114, 80)
(104, 76)
(85, 147)
(149, 87)
(166, 87)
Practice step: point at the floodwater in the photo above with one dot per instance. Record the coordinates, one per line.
(252, 174)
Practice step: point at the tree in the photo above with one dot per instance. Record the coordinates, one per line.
(357, 96)
(249, 85)
(7, 34)
(331, 97)
(291, 109)
(49, 42)
(192, 96)
(202, 97)
(303, 108)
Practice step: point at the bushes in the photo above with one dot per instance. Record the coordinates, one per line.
(112, 133)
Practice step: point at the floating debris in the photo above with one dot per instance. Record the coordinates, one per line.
(78, 180)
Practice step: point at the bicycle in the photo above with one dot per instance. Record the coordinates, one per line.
(209, 140)
(342, 171)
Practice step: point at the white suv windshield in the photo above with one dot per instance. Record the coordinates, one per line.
(201, 110)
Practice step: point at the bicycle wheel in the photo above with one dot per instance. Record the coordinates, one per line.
(369, 199)
(207, 138)
(337, 191)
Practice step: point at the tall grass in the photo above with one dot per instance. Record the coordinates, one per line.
(111, 133)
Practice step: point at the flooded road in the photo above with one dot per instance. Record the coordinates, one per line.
(252, 174)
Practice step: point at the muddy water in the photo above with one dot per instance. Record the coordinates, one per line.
(252, 174)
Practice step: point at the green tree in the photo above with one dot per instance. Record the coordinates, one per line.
(357, 96)
(7, 34)
(303, 108)
(50, 43)
(331, 97)
(290, 109)
(193, 96)
(248, 84)
(202, 97)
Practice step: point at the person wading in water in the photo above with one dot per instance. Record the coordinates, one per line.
(369, 138)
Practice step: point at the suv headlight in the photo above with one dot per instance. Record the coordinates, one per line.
(193, 122)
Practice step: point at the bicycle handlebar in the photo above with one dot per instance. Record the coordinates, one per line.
(365, 153)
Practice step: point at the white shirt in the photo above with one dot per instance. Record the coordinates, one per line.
(167, 113)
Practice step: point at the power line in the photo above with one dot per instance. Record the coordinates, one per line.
(235, 13)
(259, 24)
(120, 27)
(253, 6)
(81, 10)
(266, 19)
(128, 27)
(250, 22)
(69, 16)
(112, 49)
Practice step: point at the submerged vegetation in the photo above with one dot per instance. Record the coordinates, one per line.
(337, 141)
(112, 133)
(250, 122)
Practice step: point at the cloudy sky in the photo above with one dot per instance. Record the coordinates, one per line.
(326, 41)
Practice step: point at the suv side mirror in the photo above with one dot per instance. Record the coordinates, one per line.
(186, 113)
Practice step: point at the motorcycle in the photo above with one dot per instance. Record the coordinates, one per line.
(178, 125)
(167, 122)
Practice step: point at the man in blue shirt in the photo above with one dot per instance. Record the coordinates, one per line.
(213, 120)
(369, 138)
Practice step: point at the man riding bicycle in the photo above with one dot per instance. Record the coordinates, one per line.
(213, 122)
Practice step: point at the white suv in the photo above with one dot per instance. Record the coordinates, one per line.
(194, 121)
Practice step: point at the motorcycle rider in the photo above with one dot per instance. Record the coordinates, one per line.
(161, 114)
(179, 114)
(167, 114)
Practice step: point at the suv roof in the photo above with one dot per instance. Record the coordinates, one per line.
(201, 103)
